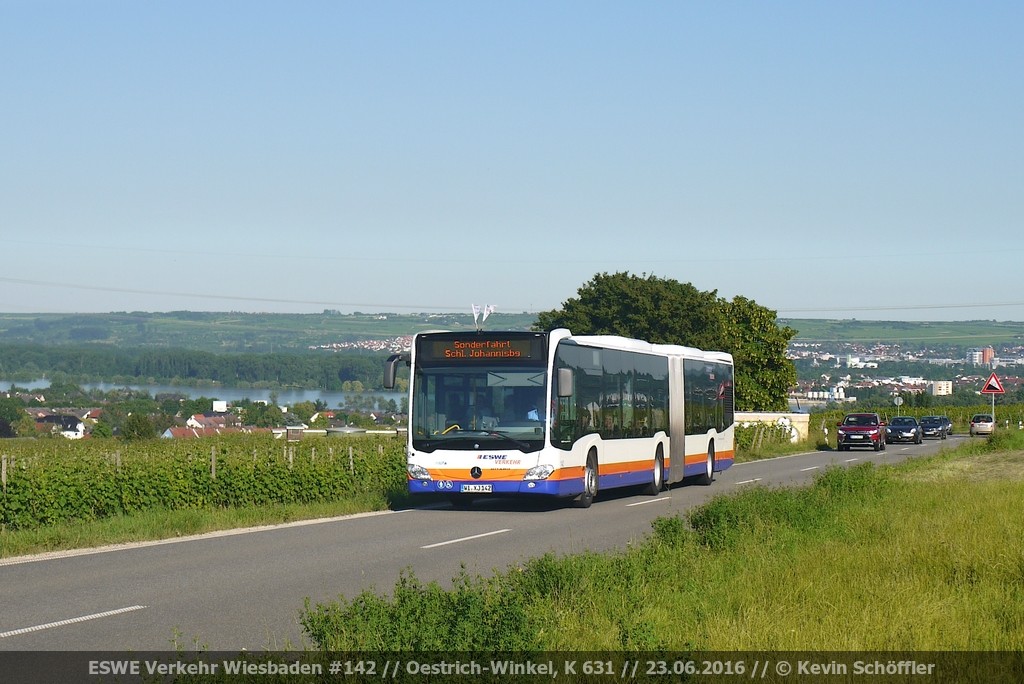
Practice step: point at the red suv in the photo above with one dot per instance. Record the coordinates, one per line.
(861, 429)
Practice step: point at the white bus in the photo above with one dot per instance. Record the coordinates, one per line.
(562, 415)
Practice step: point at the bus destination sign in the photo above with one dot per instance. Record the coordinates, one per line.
(473, 348)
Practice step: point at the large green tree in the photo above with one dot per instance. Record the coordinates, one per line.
(11, 412)
(138, 426)
(666, 311)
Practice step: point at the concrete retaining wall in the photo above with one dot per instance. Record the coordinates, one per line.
(800, 421)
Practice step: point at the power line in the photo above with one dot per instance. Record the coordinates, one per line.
(448, 307)
(239, 298)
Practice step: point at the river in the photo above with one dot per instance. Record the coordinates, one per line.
(285, 397)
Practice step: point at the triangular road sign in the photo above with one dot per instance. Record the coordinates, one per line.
(993, 386)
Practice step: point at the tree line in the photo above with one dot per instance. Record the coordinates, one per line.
(327, 371)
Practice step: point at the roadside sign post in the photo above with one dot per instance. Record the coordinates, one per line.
(993, 387)
(899, 402)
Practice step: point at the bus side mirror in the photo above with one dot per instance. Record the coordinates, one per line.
(391, 369)
(565, 382)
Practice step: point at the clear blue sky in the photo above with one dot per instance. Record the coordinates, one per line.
(825, 159)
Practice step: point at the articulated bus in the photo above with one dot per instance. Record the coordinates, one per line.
(561, 415)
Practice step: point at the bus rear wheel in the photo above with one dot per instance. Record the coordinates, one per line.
(589, 482)
(657, 482)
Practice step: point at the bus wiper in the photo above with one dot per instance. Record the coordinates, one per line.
(519, 443)
(467, 434)
(464, 435)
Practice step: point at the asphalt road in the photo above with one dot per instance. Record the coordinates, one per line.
(246, 589)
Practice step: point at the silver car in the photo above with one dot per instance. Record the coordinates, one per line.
(982, 424)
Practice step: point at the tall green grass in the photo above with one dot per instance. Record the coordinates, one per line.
(927, 556)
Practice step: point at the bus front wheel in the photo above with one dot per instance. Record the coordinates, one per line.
(589, 482)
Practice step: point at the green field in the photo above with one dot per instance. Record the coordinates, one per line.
(964, 333)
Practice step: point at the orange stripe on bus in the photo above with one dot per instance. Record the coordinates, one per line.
(694, 459)
(489, 474)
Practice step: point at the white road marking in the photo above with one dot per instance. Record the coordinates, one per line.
(775, 458)
(851, 460)
(804, 470)
(70, 621)
(462, 539)
(644, 503)
(756, 479)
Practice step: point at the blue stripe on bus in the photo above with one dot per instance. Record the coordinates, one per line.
(698, 468)
(569, 487)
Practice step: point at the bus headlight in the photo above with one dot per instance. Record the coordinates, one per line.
(417, 472)
(541, 472)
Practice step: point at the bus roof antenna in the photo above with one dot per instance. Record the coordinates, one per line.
(480, 314)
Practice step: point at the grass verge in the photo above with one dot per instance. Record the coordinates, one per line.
(164, 524)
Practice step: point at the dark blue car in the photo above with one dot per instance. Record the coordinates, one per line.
(935, 426)
(903, 429)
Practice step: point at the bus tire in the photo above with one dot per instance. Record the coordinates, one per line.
(708, 476)
(657, 482)
(589, 482)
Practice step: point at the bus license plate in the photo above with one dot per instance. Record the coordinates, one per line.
(477, 488)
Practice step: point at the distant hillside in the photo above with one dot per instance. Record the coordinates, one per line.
(960, 333)
(232, 332)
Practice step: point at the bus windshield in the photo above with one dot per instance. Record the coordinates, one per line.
(458, 407)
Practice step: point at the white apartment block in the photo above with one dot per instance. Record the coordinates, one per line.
(980, 356)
